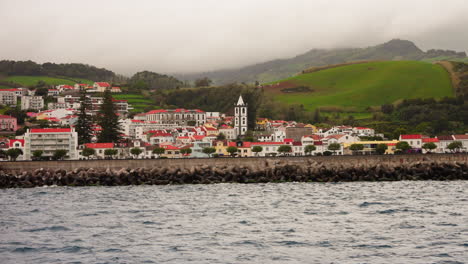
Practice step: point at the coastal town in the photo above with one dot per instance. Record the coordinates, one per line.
(184, 133)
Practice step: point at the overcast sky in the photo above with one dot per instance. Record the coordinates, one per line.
(201, 35)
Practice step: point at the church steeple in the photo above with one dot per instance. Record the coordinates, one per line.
(240, 120)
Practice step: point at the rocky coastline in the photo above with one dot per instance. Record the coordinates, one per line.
(310, 171)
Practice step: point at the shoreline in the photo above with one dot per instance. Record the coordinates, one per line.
(236, 170)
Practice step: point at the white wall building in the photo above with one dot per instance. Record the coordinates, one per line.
(32, 102)
(50, 139)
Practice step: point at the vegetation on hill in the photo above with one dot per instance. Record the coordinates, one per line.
(29, 81)
(283, 68)
(150, 80)
(359, 86)
(139, 102)
(76, 70)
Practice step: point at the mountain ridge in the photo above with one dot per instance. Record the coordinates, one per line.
(395, 49)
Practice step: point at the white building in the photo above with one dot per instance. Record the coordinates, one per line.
(101, 87)
(32, 102)
(240, 117)
(180, 116)
(8, 97)
(229, 132)
(49, 140)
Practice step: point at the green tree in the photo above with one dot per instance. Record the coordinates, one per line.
(220, 136)
(41, 91)
(455, 146)
(429, 146)
(209, 151)
(283, 149)
(37, 154)
(158, 151)
(309, 149)
(186, 151)
(108, 120)
(356, 147)
(232, 150)
(334, 147)
(87, 152)
(84, 122)
(136, 152)
(381, 148)
(257, 149)
(110, 152)
(403, 146)
(14, 153)
(59, 154)
(203, 82)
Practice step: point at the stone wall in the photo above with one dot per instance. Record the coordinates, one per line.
(218, 162)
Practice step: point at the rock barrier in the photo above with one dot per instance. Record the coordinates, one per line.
(310, 171)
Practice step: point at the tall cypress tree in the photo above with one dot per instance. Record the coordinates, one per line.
(108, 120)
(84, 122)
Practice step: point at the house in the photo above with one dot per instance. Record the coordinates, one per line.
(8, 123)
(79, 86)
(171, 151)
(32, 102)
(17, 91)
(370, 147)
(444, 141)
(415, 141)
(18, 144)
(101, 87)
(463, 139)
(197, 149)
(49, 140)
(116, 90)
(227, 131)
(100, 149)
(268, 148)
(436, 141)
(296, 133)
(53, 92)
(364, 131)
(243, 148)
(220, 147)
(161, 137)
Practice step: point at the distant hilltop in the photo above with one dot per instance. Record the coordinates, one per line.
(269, 71)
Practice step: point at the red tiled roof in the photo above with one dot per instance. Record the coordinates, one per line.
(103, 84)
(445, 137)
(7, 116)
(170, 147)
(314, 137)
(156, 111)
(288, 140)
(11, 141)
(297, 143)
(10, 90)
(461, 137)
(411, 136)
(50, 130)
(427, 140)
(99, 145)
(267, 143)
(162, 135)
(362, 128)
(245, 144)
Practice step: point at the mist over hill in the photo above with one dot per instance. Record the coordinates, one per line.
(269, 71)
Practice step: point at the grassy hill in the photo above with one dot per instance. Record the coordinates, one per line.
(283, 68)
(356, 87)
(32, 80)
(139, 102)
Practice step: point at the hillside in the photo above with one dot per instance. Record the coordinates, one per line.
(26, 81)
(283, 68)
(358, 86)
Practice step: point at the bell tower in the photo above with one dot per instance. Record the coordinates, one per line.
(240, 117)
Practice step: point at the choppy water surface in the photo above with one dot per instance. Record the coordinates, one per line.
(392, 222)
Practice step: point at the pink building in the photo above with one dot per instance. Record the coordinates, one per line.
(8, 123)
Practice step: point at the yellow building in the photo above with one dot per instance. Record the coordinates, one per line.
(369, 147)
(221, 146)
(314, 128)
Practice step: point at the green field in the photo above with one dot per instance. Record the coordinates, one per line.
(32, 80)
(138, 101)
(356, 87)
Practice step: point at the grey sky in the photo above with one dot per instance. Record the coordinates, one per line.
(202, 35)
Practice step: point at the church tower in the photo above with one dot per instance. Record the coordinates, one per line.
(240, 120)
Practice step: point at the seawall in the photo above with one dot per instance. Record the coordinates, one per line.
(187, 163)
(237, 170)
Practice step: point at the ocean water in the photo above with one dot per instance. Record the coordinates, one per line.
(359, 222)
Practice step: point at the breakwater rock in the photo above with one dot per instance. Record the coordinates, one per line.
(310, 171)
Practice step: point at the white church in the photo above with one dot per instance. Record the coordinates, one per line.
(240, 114)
